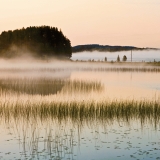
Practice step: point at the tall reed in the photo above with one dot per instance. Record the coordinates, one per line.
(82, 111)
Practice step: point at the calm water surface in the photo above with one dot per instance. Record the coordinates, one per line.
(46, 137)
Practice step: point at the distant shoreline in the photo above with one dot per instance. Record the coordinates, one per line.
(106, 48)
(120, 63)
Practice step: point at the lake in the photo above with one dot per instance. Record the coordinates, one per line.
(137, 56)
(89, 111)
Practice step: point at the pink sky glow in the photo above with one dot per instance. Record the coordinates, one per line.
(110, 22)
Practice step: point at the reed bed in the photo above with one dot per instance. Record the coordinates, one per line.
(87, 67)
(46, 86)
(63, 123)
(124, 69)
(83, 111)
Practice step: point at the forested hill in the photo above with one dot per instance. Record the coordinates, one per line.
(103, 48)
(39, 41)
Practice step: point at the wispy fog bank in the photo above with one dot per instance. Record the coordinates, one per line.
(28, 63)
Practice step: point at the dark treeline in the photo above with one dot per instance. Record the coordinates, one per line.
(43, 41)
(103, 48)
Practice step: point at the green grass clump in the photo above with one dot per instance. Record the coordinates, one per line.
(83, 111)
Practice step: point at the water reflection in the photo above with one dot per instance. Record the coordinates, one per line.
(86, 114)
(97, 138)
(120, 85)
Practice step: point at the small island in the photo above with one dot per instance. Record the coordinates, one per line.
(42, 41)
(105, 48)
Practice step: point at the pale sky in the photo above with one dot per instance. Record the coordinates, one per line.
(106, 22)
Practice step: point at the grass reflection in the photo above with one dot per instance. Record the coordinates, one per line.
(46, 86)
(53, 130)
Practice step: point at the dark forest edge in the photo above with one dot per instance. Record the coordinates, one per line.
(48, 42)
(105, 48)
(42, 41)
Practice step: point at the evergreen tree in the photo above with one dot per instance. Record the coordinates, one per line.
(124, 58)
(118, 59)
(42, 41)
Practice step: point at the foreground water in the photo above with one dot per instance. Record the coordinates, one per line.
(85, 112)
(86, 140)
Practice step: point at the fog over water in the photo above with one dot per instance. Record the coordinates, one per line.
(137, 56)
(54, 109)
(134, 81)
